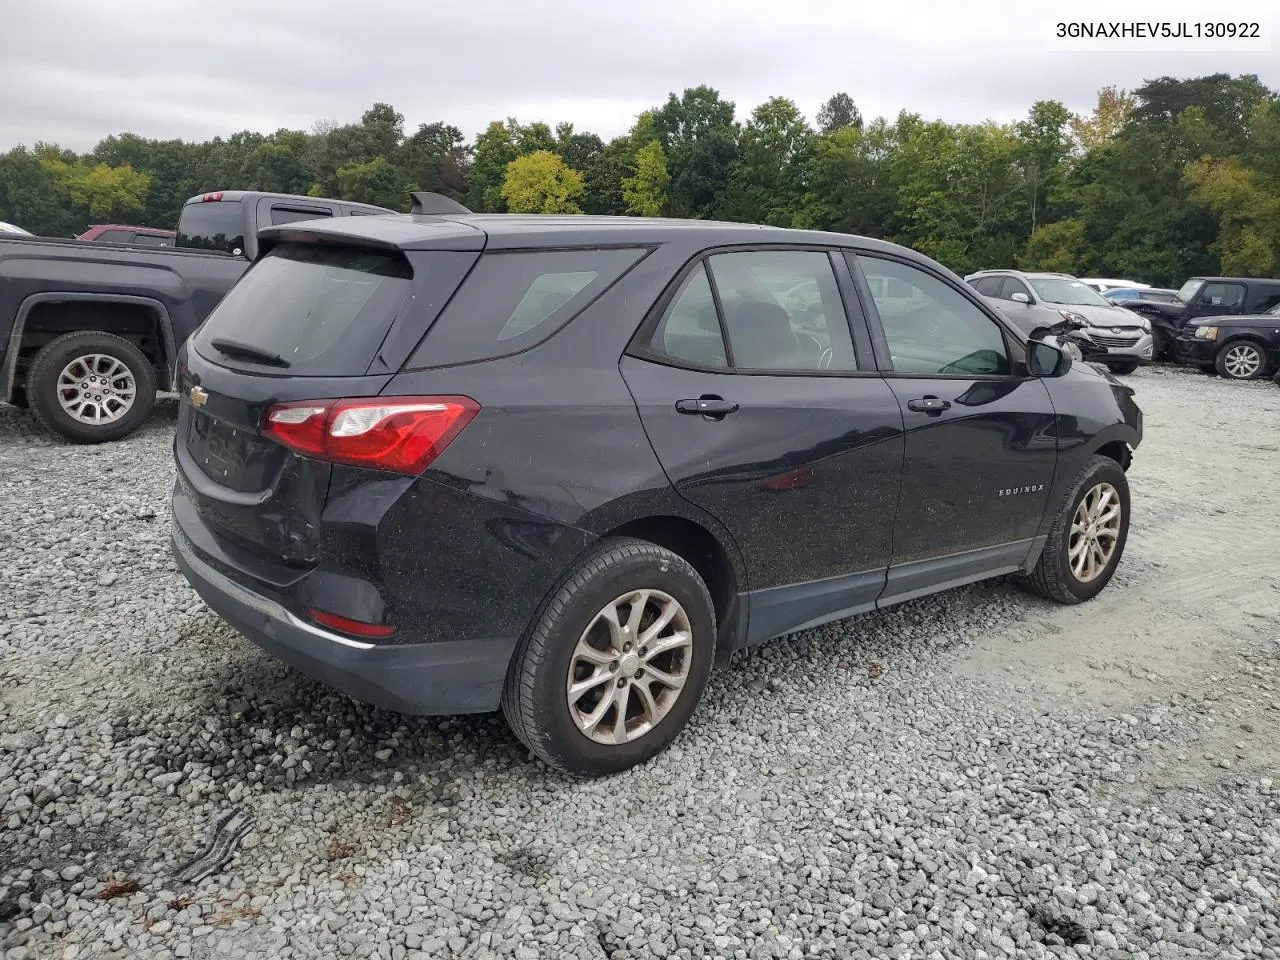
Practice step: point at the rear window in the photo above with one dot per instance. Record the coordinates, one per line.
(512, 301)
(309, 310)
(216, 225)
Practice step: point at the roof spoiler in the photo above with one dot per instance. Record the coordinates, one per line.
(427, 204)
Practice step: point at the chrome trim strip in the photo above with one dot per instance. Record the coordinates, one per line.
(263, 605)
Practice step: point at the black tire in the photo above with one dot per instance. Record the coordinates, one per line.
(1121, 369)
(1052, 577)
(1233, 349)
(53, 357)
(535, 700)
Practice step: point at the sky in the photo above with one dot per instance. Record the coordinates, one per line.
(75, 71)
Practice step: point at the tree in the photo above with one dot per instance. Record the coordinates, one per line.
(852, 178)
(700, 138)
(1248, 212)
(1044, 150)
(101, 192)
(30, 196)
(495, 148)
(540, 182)
(436, 158)
(838, 113)
(645, 194)
(1105, 123)
(376, 182)
(767, 181)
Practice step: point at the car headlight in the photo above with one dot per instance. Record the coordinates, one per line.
(1206, 333)
(1073, 317)
(1144, 325)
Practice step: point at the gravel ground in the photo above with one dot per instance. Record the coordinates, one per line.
(978, 774)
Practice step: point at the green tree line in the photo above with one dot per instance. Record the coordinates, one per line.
(1175, 178)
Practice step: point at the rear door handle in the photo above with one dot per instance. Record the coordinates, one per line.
(707, 406)
(931, 405)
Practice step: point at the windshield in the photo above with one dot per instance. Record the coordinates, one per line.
(216, 225)
(1187, 292)
(318, 311)
(1054, 290)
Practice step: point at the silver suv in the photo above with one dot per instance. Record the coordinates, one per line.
(1036, 301)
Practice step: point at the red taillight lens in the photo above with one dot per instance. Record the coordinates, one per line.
(211, 197)
(357, 628)
(401, 434)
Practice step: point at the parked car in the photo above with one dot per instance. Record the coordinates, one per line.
(1237, 347)
(119, 233)
(1124, 296)
(1102, 285)
(88, 330)
(1206, 297)
(562, 465)
(1037, 301)
(13, 229)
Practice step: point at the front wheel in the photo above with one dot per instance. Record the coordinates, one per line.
(1088, 536)
(91, 386)
(1122, 369)
(615, 661)
(1242, 360)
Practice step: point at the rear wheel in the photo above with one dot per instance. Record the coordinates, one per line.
(1242, 360)
(1121, 369)
(91, 386)
(1087, 539)
(615, 661)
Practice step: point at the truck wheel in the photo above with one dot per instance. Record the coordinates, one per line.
(1087, 539)
(1120, 369)
(91, 386)
(1242, 360)
(614, 663)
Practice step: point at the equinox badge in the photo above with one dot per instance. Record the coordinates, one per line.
(198, 397)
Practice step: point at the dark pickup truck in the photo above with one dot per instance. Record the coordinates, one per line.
(90, 330)
(1204, 297)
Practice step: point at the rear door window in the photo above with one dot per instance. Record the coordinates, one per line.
(152, 240)
(689, 332)
(216, 225)
(988, 286)
(308, 310)
(513, 301)
(281, 214)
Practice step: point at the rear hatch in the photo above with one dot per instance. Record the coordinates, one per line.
(318, 319)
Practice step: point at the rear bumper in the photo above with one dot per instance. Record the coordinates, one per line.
(449, 677)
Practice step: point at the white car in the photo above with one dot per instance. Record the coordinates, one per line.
(10, 228)
(1102, 285)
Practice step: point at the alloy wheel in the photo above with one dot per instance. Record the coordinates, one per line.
(630, 666)
(96, 388)
(1242, 361)
(1095, 531)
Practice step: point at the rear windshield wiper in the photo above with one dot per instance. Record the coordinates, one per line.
(234, 348)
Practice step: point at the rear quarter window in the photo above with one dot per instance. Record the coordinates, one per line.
(216, 225)
(512, 301)
(323, 311)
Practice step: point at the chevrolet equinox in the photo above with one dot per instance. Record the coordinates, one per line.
(562, 466)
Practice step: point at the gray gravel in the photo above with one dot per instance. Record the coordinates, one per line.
(976, 775)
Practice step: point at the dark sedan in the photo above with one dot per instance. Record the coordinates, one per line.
(1238, 348)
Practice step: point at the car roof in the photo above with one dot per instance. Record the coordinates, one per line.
(514, 231)
(125, 226)
(1261, 280)
(230, 195)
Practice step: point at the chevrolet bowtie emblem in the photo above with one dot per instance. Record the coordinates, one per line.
(198, 397)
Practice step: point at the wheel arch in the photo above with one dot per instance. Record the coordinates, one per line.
(24, 327)
(718, 564)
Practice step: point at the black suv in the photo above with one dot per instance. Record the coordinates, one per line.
(562, 466)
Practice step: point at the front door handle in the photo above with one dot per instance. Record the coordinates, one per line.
(707, 406)
(930, 405)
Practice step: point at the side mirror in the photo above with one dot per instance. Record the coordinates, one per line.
(1046, 360)
(1019, 298)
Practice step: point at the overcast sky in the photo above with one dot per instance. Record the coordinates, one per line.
(74, 71)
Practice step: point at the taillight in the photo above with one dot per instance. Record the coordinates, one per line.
(211, 197)
(357, 628)
(400, 434)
